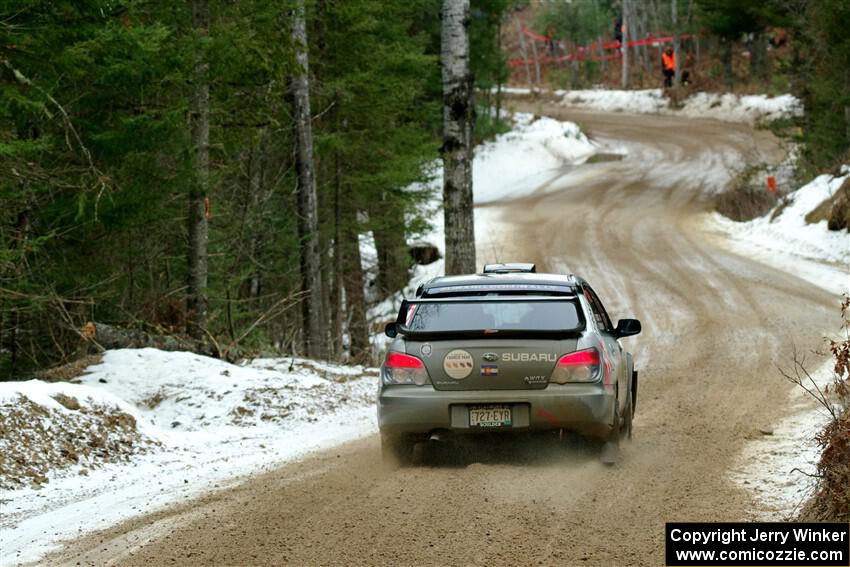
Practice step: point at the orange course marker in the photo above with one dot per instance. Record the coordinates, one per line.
(771, 184)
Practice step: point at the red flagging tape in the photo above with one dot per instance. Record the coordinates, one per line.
(649, 40)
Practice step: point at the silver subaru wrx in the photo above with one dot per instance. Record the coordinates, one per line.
(507, 350)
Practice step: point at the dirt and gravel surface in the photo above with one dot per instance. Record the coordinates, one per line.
(715, 326)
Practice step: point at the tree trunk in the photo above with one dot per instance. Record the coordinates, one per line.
(337, 294)
(499, 80)
(624, 49)
(634, 34)
(847, 123)
(393, 257)
(524, 53)
(759, 61)
(728, 73)
(458, 122)
(256, 200)
(196, 304)
(308, 218)
(352, 281)
(601, 53)
(677, 79)
(644, 50)
(537, 77)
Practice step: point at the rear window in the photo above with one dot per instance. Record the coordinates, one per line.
(513, 315)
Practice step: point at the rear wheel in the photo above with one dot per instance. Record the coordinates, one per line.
(397, 450)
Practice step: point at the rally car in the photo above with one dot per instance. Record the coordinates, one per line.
(507, 350)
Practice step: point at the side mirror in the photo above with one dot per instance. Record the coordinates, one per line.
(391, 330)
(627, 328)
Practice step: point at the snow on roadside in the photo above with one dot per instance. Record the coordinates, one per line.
(203, 423)
(48, 429)
(775, 467)
(783, 239)
(518, 162)
(727, 107)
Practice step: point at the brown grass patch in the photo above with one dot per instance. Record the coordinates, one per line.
(744, 202)
(71, 371)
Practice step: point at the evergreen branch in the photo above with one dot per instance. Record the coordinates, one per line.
(69, 128)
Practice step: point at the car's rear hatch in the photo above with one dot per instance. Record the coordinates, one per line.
(490, 364)
(490, 343)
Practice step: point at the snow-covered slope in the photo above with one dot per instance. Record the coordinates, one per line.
(520, 161)
(719, 106)
(776, 468)
(779, 466)
(782, 238)
(167, 426)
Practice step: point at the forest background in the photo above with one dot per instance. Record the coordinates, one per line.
(102, 175)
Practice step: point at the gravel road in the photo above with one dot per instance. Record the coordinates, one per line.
(715, 327)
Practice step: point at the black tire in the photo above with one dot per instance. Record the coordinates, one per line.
(397, 451)
(626, 429)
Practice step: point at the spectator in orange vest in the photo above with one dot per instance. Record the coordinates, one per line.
(668, 66)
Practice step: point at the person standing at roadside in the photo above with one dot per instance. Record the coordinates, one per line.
(668, 66)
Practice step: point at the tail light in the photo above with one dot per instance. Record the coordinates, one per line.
(580, 366)
(404, 369)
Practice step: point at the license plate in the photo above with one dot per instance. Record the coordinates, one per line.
(490, 416)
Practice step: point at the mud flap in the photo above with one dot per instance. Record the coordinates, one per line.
(610, 452)
(634, 390)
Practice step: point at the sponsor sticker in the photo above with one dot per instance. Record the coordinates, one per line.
(425, 349)
(458, 364)
(490, 356)
(489, 370)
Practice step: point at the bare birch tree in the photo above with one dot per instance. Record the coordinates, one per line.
(624, 48)
(458, 123)
(524, 53)
(308, 218)
(196, 302)
(677, 80)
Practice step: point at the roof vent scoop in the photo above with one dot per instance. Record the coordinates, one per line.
(510, 268)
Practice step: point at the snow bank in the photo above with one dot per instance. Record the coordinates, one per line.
(741, 108)
(203, 423)
(520, 161)
(639, 102)
(58, 428)
(776, 467)
(727, 107)
(782, 238)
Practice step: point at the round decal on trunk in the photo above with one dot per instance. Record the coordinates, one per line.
(458, 364)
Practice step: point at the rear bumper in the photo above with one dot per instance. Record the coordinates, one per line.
(587, 409)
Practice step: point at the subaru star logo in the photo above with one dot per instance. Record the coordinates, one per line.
(490, 357)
